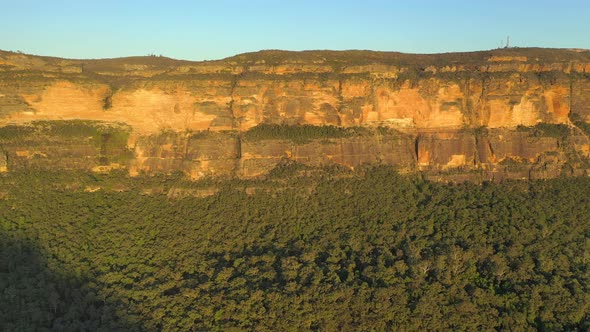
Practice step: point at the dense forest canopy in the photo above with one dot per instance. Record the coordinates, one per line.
(304, 249)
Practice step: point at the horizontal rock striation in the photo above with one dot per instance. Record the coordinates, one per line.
(472, 115)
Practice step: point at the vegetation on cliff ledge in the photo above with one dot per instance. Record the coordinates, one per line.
(547, 130)
(108, 139)
(72, 129)
(300, 134)
(332, 250)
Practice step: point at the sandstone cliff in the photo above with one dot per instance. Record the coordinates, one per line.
(449, 115)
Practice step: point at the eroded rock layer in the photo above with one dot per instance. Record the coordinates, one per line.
(462, 115)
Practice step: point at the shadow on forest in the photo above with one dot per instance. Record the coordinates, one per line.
(37, 297)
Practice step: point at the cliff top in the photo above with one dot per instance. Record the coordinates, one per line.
(363, 57)
(330, 60)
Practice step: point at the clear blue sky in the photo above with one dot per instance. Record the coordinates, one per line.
(214, 29)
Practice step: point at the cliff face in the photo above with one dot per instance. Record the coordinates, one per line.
(449, 114)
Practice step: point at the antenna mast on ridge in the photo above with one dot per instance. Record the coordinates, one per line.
(507, 42)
